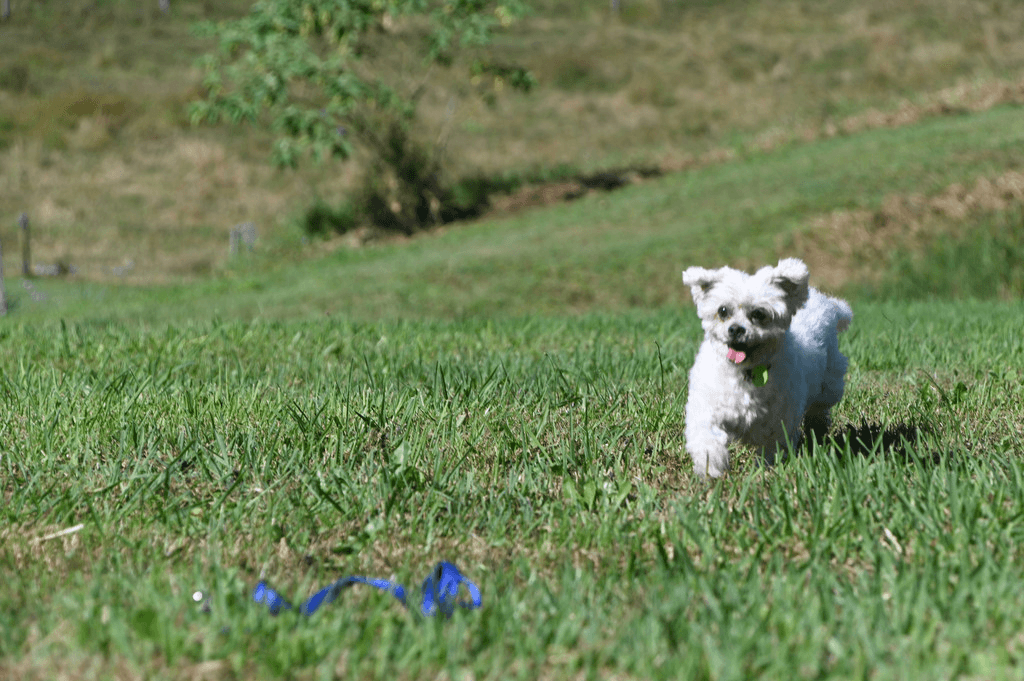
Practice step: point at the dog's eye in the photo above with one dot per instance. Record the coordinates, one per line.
(723, 312)
(759, 316)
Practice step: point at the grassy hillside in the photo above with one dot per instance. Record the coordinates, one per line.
(861, 209)
(545, 457)
(95, 147)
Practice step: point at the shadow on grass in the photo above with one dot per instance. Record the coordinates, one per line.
(900, 440)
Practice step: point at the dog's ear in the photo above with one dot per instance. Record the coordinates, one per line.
(791, 276)
(700, 281)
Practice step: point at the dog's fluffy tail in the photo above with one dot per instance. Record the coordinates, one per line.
(844, 314)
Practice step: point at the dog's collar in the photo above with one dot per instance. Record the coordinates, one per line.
(758, 375)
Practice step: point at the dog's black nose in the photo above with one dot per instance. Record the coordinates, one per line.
(736, 331)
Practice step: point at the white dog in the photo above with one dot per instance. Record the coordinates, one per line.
(769, 361)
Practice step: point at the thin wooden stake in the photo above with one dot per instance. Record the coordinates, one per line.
(26, 246)
(3, 289)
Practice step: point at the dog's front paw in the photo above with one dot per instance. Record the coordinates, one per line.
(709, 462)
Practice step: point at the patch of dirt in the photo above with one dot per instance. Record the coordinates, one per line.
(546, 194)
(961, 99)
(854, 244)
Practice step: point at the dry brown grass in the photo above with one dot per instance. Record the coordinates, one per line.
(628, 91)
(165, 205)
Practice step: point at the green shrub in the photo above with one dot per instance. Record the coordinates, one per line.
(404, 190)
(14, 78)
(6, 132)
(320, 219)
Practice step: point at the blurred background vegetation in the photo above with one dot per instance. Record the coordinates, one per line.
(96, 146)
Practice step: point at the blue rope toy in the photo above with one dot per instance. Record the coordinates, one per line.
(440, 592)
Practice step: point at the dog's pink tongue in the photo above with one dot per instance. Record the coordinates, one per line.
(736, 356)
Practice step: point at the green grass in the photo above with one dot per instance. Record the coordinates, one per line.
(985, 262)
(544, 455)
(509, 394)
